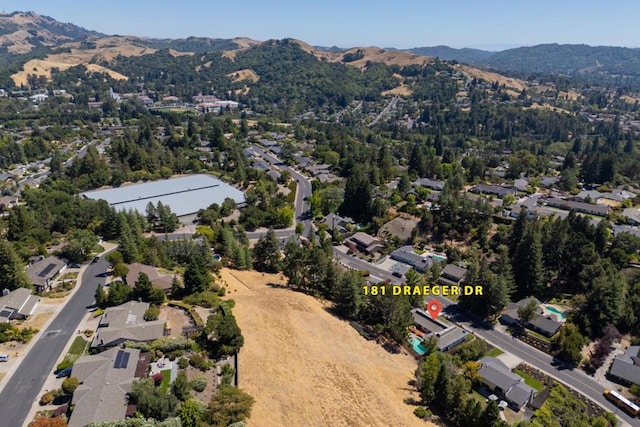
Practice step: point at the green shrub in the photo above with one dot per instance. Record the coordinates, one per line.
(152, 313)
(183, 363)
(173, 355)
(200, 362)
(66, 363)
(46, 398)
(169, 344)
(227, 374)
(26, 334)
(142, 346)
(222, 291)
(69, 385)
(420, 412)
(203, 299)
(199, 383)
(99, 312)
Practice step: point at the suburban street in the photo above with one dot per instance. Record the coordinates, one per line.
(303, 192)
(384, 112)
(573, 378)
(24, 386)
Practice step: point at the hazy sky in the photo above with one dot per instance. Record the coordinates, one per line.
(485, 24)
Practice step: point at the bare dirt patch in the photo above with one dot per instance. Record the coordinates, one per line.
(175, 53)
(37, 321)
(401, 90)
(176, 320)
(375, 54)
(537, 106)
(306, 367)
(630, 99)
(107, 49)
(242, 75)
(205, 395)
(492, 77)
(246, 42)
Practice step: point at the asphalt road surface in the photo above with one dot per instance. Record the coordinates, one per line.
(571, 377)
(23, 388)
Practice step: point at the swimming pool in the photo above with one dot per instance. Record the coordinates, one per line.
(416, 343)
(555, 311)
(438, 258)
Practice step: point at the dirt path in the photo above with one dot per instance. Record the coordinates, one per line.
(306, 367)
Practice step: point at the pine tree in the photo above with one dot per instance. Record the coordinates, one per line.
(12, 274)
(143, 288)
(127, 243)
(346, 293)
(518, 230)
(266, 253)
(197, 277)
(101, 297)
(358, 195)
(527, 264)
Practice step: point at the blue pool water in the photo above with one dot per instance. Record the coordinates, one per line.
(417, 346)
(438, 258)
(555, 311)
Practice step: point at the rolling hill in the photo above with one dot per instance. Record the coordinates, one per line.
(592, 63)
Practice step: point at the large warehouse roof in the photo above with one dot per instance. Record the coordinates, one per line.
(185, 195)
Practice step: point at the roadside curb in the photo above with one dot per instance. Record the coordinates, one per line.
(36, 337)
(35, 407)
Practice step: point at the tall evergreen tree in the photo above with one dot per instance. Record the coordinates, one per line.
(12, 274)
(127, 242)
(357, 195)
(527, 264)
(197, 277)
(143, 287)
(266, 253)
(348, 288)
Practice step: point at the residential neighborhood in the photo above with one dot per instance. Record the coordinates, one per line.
(208, 232)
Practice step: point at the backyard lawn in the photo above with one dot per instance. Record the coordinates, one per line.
(166, 379)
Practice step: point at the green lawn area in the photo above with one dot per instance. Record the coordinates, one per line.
(494, 352)
(166, 379)
(530, 380)
(78, 346)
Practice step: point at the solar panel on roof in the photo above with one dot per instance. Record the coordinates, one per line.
(125, 360)
(47, 270)
(119, 357)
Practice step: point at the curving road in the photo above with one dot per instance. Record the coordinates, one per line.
(304, 190)
(23, 387)
(573, 378)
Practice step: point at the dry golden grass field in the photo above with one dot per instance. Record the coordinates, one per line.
(306, 367)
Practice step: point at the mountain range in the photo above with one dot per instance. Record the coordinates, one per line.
(31, 43)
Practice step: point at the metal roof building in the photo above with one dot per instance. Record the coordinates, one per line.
(184, 195)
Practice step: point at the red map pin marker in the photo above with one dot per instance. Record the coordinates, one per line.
(434, 308)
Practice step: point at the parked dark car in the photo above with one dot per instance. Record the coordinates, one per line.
(64, 373)
(96, 259)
